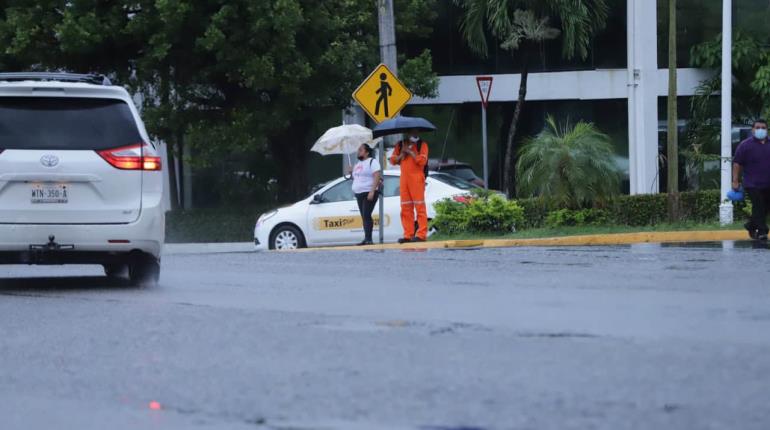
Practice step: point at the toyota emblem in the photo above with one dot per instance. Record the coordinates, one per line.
(49, 160)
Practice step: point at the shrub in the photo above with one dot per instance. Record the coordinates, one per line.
(639, 210)
(483, 212)
(212, 225)
(536, 210)
(581, 217)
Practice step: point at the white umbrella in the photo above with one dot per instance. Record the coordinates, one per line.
(344, 139)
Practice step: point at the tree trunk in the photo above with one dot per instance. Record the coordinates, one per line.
(290, 153)
(673, 129)
(165, 97)
(510, 153)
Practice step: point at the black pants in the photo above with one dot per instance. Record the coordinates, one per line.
(366, 208)
(760, 208)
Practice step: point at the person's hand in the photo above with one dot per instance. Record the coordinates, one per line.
(370, 197)
(736, 185)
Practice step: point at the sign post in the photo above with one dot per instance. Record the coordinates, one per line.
(382, 96)
(485, 89)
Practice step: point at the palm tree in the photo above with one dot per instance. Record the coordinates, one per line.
(574, 166)
(519, 24)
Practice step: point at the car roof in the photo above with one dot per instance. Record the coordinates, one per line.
(37, 84)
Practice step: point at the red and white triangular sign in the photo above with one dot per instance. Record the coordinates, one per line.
(485, 88)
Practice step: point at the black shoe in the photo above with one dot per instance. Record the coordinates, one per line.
(404, 240)
(417, 239)
(752, 231)
(362, 243)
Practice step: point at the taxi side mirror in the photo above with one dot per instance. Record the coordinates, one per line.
(317, 199)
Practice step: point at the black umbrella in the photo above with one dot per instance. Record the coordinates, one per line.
(402, 124)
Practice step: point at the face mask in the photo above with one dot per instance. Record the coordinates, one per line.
(414, 139)
(361, 158)
(760, 133)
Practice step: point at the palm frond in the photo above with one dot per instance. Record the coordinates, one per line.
(571, 164)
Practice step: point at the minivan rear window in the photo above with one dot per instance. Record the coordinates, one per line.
(66, 123)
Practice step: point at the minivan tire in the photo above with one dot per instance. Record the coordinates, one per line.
(115, 271)
(143, 270)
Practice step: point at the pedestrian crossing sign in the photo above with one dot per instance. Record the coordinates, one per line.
(382, 95)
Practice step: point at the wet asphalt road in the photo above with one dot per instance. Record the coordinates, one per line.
(642, 337)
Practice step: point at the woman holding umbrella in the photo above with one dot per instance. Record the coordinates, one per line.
(367, 176)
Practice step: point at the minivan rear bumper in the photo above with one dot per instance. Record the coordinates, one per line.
(90, 243)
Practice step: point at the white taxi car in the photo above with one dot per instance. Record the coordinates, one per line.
(330, 216)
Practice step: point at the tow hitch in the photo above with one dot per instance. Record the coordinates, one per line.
(51, 246)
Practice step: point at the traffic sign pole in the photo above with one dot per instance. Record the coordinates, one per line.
(485, 89)
(484, 145)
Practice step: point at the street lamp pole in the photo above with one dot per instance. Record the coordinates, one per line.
(726, 207)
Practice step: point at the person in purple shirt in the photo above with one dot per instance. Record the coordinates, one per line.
(752, 159)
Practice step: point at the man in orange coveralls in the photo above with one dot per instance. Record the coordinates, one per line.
(412, 155)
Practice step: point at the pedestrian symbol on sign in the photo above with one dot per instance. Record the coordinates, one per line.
(384, 91)
(382, 95)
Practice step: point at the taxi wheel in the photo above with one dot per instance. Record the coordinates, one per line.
(286, 237)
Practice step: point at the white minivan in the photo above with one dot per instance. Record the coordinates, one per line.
(80, 179)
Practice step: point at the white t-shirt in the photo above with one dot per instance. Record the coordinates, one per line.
(363, 175)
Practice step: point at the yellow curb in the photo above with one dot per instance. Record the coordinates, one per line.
(583, 240)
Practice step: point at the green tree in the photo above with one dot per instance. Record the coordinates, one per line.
(751, 98)
(225, 77)
(751, 75)
(574, 166)
(520, 25)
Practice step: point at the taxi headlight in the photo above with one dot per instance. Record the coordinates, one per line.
(266, 216)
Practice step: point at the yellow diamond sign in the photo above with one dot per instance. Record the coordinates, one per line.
(382, 95)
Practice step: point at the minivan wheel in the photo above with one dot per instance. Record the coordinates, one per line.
(286, 238)
(115, 271)
(144, 270)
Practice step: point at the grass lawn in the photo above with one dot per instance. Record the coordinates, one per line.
(577, 231)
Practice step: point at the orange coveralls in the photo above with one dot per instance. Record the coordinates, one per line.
(413, 189)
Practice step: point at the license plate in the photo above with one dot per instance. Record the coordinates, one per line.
(49, 193)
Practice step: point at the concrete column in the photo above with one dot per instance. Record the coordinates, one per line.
(643, 96)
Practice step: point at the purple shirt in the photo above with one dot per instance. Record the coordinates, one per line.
(754, 157)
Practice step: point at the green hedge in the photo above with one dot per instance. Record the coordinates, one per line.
(639, 210)
(211, 225)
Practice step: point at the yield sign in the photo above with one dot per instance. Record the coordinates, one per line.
(485, 88)
(382, 95)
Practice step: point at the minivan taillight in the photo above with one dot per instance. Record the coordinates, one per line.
(132, 157)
